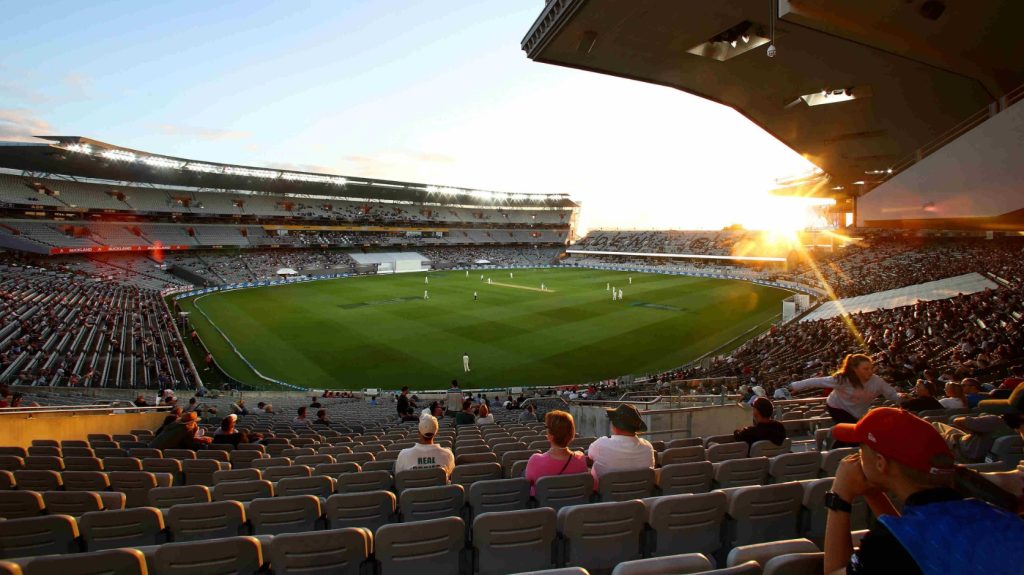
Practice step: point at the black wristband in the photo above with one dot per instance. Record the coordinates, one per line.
(837, 503)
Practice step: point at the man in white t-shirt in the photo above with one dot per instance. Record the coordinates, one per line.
(426, 455)
(623, 451)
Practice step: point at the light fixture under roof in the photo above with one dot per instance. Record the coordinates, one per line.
(836, 95)
(739, 39)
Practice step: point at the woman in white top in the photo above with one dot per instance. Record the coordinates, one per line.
(954, 396)
(854, 387)
(485, 417)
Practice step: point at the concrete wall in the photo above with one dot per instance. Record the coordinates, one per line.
(21, 428)
(666, 424)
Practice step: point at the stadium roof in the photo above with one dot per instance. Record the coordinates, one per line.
(858, 88)
(86, 158)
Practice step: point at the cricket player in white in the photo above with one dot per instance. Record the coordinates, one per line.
(509, 275)
(620, 295)
(542, 288)
(630, 280)
(467, 273)
(488, 281)
(474, 296)
(465, 362)
(426, 279)
(615, 294)
(426, 294)
(607, 286)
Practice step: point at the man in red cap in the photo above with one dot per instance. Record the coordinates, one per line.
(902, 454)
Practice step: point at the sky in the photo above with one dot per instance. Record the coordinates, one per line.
(430, 91)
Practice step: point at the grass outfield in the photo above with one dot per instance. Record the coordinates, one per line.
(378, 331)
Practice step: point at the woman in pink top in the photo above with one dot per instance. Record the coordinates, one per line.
(559, 459)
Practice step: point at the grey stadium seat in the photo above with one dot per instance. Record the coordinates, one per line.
(422, 503)
(679, 478)
(741, 472)
(31, 536)
(319, 485)
(239, 555)
(369, 509)
(412, 478)
(690, 454)
(626, 485)
(363, 481)
(686, 523)
(794, 466)
(469, 473)
(126, 528)
(200, 471)
(109, 562)
(765, 448)
(498, 495)
(557, 491)
(420, 548)
(510, 541)
(676, 564)
(135, 485)
(762, 552)
(275, 474)
(795, 564)
(165, 497)
(339, 552)
(601, 535)
(38, 480)
(20, 504)
(72, 503)
(293, 514)
(202, 521)
(243, 491)
(725, 451)
(764, 513)
(226, 475)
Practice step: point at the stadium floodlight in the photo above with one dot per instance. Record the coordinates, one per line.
(251, 173)
(204, 168)
(159, 162)
(313, 178)
(119, 155)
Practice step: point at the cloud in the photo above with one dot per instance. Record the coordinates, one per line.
(21, 125)
(205, 134)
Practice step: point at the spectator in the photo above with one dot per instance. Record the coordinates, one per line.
(321, 418)
(853, 387)
(171, 417)
(140, 401)
(453, 399)
(558, 459)
(484, 417)
(403, 402)
(1012, 412)
(301, 420)
(181, 434)
(903, 455)
(623, 451)
(954, 396)
(227, 434)
(314, 402)
(1015, 379)
(972, 391)
(192, 406)
(425, 454)
(466, 417)
(239, 408)
(529, 415)
(970, 438)
(924, 397)
(764, 427)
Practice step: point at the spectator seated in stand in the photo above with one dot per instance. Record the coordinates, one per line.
(923, 398)
(426, 454)
(181, 434)
(764, 427)
(558, 459)
(623, 451)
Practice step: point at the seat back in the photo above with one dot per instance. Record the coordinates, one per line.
(123, 528)
(44, 463)
(412, 478)
(266, 462)
(499, 495)
(688, 454)
(686, 523)
(557, 491)
(403, 548)
(38, 480)
(794, 466)
(626, 485)
(725, 451)
(166, 497)
(421, 503)
(466, 474)
(243, 491)
(765, 448)
(200, 471)
(368, 509)
(292, 514)
(513, 541)
(278, 473)
(228, 475)
(339, 551)
(741, 472)
(122, 464)
(811, 563)
(201, 521)
(686, 563)
(679, 478)
(239, 555)
(83, 464)
(32, 536)
(364, 481)
(601, 535)
(111, 561)
(762, 552)
(164, 465)
(764, 513)
(85, 481)
(20, 504)
(830, 460)
(336, 469)
(74, 503)
(317, 485)
(134, 484)
(1009, 449)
